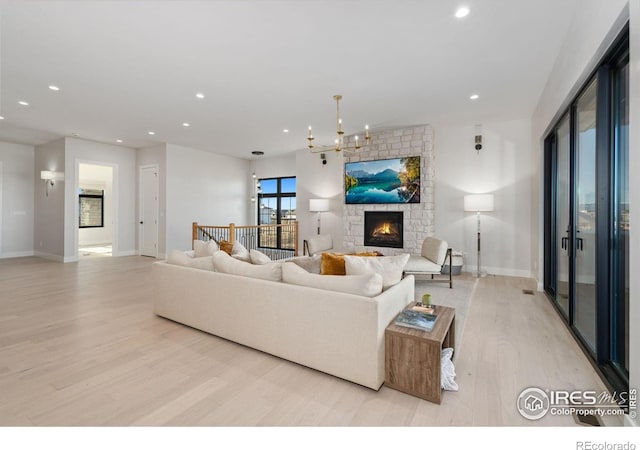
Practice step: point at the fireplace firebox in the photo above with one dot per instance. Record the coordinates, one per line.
(383, 229)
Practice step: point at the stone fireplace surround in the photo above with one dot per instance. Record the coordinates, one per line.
(419, 218)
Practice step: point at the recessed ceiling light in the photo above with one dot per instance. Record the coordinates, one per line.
(1, 117)
(462, 12)
(200, 95)
(185, 124)
(474, 97)
(119, 141)
(53, 87)
(152, 133)
(75, 134)
(23, 103)
(285, 131)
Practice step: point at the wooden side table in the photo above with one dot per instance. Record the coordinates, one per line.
(412, 357)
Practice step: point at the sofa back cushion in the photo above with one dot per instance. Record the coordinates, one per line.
(435, 250)
(180, 258)
(224, 263)
(368, 285)
(390, 267)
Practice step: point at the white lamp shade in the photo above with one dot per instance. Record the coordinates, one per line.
(478, 202)
(319, 204)
(49, 175)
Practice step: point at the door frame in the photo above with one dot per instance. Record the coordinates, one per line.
(114, 205)
(156, 167)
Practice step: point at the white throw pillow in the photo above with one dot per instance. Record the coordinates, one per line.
(309, 263)
(257, 257)
(368, 285)
(240, 252)
(224, 263)
(204, 248)
(182, 259)
(390, 267)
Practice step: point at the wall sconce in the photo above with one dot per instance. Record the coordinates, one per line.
(478, 138)
(50, 179)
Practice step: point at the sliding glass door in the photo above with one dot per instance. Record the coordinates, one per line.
(587, 217)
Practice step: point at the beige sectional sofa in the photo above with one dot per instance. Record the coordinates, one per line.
(338, 333)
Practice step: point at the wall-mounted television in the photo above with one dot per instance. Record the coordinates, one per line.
(382, 181)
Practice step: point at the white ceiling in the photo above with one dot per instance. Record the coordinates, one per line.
(125, 68)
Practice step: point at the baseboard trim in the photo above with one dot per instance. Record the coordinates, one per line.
(508, 272)
(15, 255)
(49, 256)
(69, 259)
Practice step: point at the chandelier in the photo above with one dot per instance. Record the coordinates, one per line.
(339, 144)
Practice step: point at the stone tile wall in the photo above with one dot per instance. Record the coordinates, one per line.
(419, 218)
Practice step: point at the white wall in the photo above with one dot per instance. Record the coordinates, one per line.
(48, 227)
(156, 155)
(123, 161)
(206, 188)
(98, 178)
(502, 167)
(320, 181)
(16, 199)
(634, 188)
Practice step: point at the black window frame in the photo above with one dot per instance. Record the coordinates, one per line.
(278, 195)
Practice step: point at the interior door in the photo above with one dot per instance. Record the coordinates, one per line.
(149, 211)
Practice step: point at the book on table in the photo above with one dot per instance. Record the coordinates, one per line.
(416, 319)
(425, 309)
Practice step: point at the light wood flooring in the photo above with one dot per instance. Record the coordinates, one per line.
(80, 345)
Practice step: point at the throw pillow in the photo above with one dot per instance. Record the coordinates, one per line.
(226, 247)
(332, 264)
(204, 248)
(226, 264)
(368, 285)
(257, 257)
(309, 263)
(390, 267)
(240, 252)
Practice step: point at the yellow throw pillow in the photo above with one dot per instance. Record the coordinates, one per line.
(226, 247)
(332, 264)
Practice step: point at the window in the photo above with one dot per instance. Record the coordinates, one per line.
(91, 209)
(277, 206)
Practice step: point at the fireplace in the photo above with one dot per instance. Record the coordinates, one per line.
(383, 228)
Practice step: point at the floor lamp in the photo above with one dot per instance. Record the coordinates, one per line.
(319, 205)
(478, 203)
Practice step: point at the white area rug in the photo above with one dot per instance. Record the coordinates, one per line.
(459, 298)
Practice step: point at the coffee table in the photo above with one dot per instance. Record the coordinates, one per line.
(412, 357)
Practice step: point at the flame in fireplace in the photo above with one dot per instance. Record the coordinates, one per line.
(383, 230)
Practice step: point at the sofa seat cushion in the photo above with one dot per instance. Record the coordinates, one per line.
(390, 267)
(368, 285)
(418, 264)
(224, 263)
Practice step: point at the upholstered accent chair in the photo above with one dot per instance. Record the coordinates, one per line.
(318, 244)
(433, 257)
